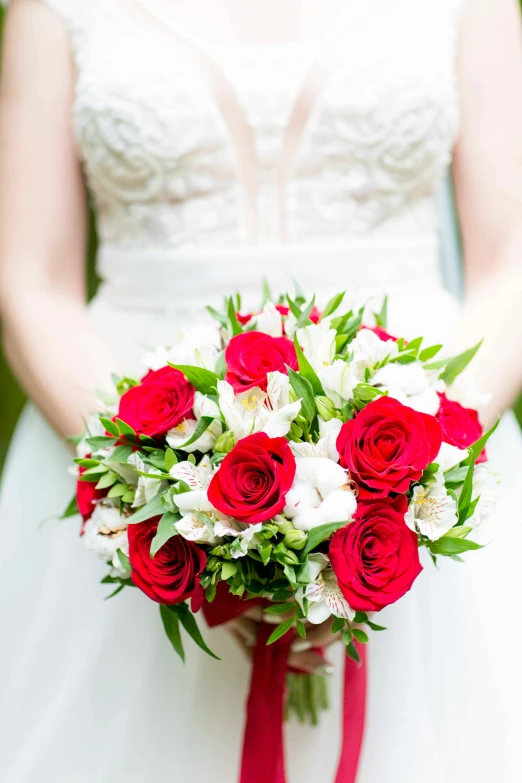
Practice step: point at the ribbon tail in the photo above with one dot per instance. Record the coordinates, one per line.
(263, 748)
(354, 708)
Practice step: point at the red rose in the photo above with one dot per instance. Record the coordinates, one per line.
(375, 557)
(172, 575)
(253, 479)
(251, 355)
(381, 333)
(460, 426)
(387, 446)
(160, 402)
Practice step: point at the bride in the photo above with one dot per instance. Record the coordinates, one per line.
(223, 141)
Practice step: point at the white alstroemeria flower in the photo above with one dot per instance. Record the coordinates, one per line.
(198, 478)
(486, 484)
(449, 456)
(465, 391)
(323, 593)
(269, 321)
(338, 380)
(318, 344)
(245, 535)
(198, 347)
(369, 350)
(180, 434)
(193, 528)
(106, 531)
(320, 494)
(432, 511)
(411, 385)
(259, 411)
(147, 488)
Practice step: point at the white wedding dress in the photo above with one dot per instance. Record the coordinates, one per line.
(212, 166)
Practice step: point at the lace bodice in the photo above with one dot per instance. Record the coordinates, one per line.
(161, 154)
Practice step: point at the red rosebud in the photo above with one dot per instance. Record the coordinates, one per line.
(460, 426)
(251, 355)
(172, 575)
(387, 446)
(375, 557)
(158, 403)
(381, 333)
(253, 480)
(87, 495)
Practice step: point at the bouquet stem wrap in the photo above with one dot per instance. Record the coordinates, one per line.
(263, 746)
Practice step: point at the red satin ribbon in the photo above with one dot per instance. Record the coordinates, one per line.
(263, 747)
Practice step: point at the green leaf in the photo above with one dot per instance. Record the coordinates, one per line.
(267, 294)
(338, 624)
(151, 509)
(280, 608)
(333, 305)
(304, 318)
(294, 309)
(360, 635)
(190, 625)
(100, 442)
(86, 462)
(124, 560)
(451, 546)
(107, 480)
(374, 626)
(117, 491)
(455, 365)
(125, 428)
(318, 534)
(381, 318)
(465, 500)
(203, 425)
(203, 380)
(129, 496)
(228, 569)
(307, 371)
(71, 510)
(351, 651)
(110, 426)
(171, 625)
(280, 630)
(170, 459)
(217, 316)
(300, 628)
(164, 533)
(235, 326)
(429, 353)
(114, 592)
(120, 454)
(458, 532)
(303, 389)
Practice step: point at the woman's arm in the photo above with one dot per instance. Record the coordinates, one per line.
(488, 181)
(47, 335)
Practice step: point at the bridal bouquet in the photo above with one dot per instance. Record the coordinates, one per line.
(290, 457)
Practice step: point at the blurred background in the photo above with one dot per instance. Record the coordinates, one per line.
(12, 398)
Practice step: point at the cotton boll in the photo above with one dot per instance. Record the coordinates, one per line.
(302, 495)
(338, 506)
(323, 473)
(105, 532)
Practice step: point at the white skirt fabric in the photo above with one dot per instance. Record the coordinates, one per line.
(92, 692)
